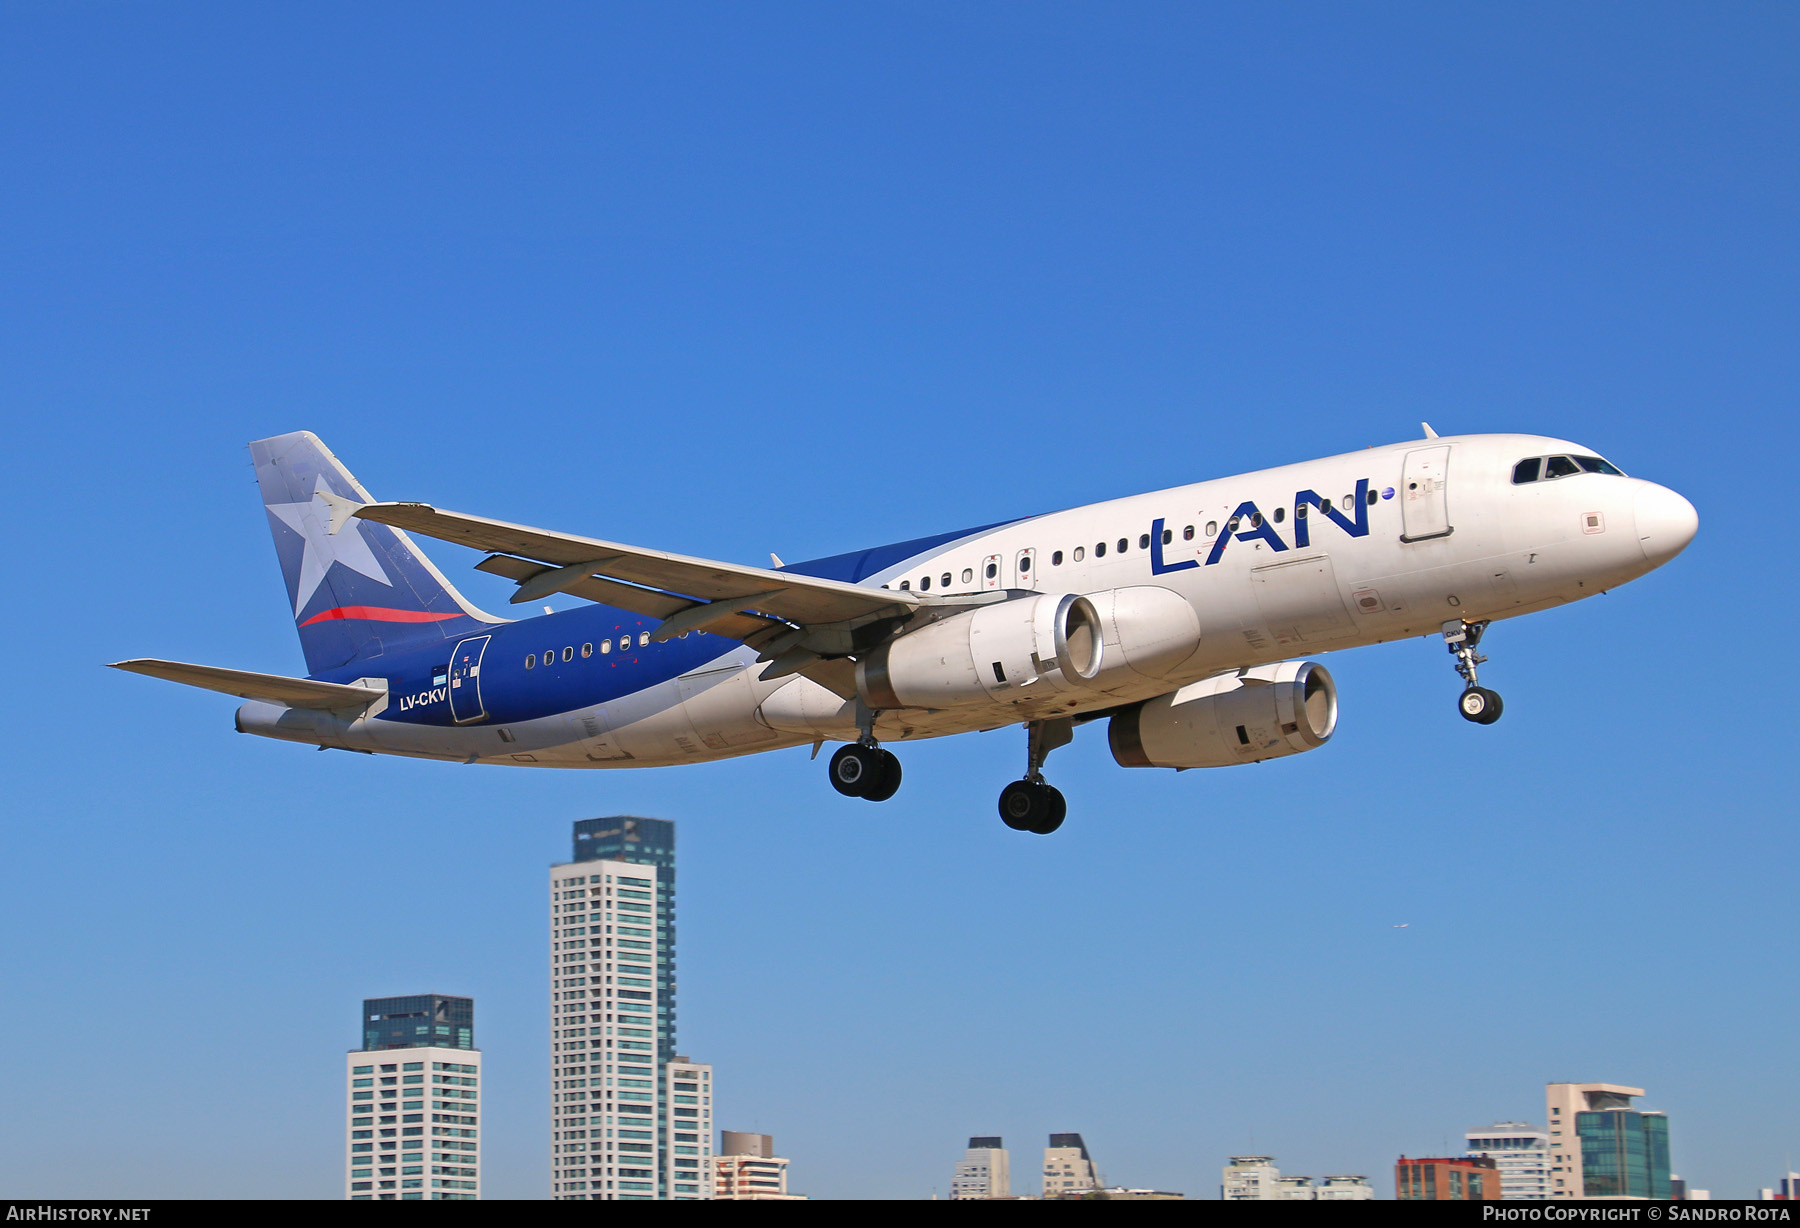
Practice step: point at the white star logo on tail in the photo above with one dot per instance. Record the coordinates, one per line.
(311, 521)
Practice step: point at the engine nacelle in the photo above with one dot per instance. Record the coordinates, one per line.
(1052, 643)
(1147, 633)
(1246, 717)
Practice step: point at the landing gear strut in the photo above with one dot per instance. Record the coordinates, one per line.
(1031, 804)
(863, 769)
(1477, 703)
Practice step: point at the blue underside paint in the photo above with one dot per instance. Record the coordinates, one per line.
(511, 692)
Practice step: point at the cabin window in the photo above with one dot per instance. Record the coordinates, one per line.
(643, 639)
(1124, 544)
(1349, 503)
(1187, 533)
(1256, 520)
(1080, 553)
(569, 653)
(1527, 470)
(1099, 550)
(1169, 535)
(992, 570)
(1280, 514)
(1561, 467)
(531, 661)
(906, 586)
(1144, 541)
(1212, 528)
(1056, 559)
(944, 579)
(924, 584)
(587, 650)
(624, 643)
(1372, 498)
(1300, 511)
(968, 575)
(605, 647)
(1024, 564)
(1231, 526)
(549, 656)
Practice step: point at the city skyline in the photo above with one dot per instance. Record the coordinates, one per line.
(811, 279)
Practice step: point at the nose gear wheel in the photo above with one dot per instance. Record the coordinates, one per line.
(1477, 703)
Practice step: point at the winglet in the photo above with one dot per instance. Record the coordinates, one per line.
(1429, 433)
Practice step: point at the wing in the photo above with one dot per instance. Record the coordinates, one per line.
(270, 688)
(794, 621)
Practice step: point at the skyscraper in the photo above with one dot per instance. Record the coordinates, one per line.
(629, 1117)
(414, 1050)
(1602, 1147)
(985, 1171)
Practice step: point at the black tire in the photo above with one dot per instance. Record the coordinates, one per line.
(1022, 806)
(855, 769)
(1056, 811)
(1480, 705)
(887, 777)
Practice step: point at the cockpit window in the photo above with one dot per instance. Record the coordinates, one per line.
(1544, 468)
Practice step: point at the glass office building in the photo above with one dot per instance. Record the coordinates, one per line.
(1624, 1154)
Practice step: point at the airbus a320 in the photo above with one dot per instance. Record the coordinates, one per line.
(1177, 617)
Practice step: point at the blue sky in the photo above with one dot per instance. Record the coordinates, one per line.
(803, 278)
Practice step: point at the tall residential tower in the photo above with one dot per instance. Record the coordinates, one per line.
(416, 1051)
(629, 1117)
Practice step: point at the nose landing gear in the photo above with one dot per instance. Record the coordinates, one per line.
(1031, 804)
(1477, 703)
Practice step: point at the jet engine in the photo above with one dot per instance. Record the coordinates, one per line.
(986, 654)
(1147, 633)
(1241, 717)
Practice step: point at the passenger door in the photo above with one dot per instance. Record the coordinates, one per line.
(1424, 510)
(465, 680)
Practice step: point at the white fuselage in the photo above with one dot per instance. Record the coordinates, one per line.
(1446, 535)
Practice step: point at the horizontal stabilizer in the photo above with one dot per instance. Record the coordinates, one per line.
(269, 688)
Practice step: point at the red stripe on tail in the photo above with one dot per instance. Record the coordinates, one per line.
(378, 614)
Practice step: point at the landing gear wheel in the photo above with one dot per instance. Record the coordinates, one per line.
(1480, 705)
(854, 768)
(1018, 804)
(867, 772)
(1032, 805)
(887, 780)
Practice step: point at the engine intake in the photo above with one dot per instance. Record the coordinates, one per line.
(1053, 641)
(1244, 717)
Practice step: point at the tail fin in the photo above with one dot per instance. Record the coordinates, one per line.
(363, 591)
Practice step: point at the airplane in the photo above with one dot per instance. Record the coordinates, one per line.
(1181, 617)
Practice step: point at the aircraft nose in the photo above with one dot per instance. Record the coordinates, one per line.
(1666, 523)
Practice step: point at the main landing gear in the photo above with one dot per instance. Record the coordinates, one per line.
(1477, 703)
(1031, 804)
(863, 769)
